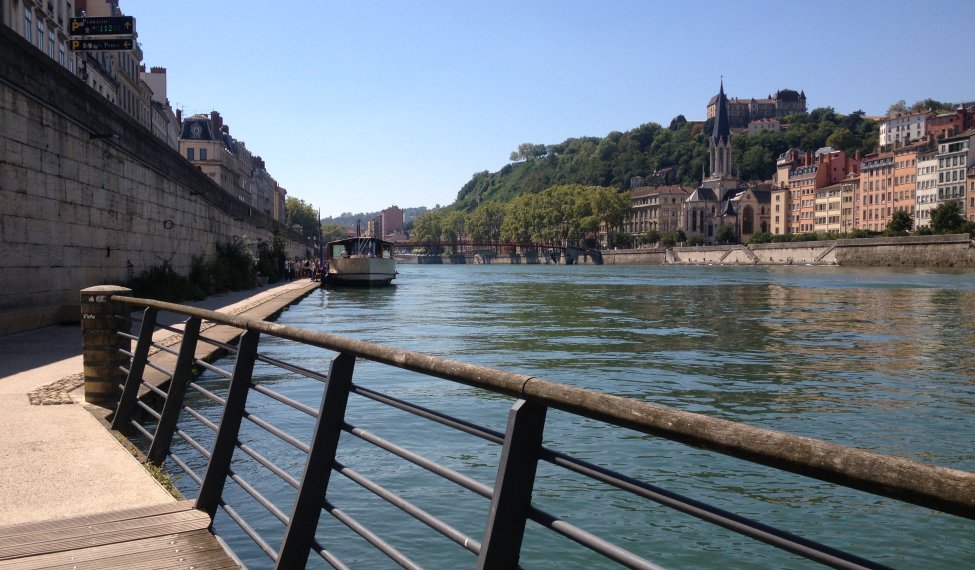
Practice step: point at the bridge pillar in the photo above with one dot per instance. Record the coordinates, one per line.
(101, 343)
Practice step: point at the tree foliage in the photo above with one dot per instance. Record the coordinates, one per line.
(301, 213)
(946, 218)
(673, 155)
(900, 223)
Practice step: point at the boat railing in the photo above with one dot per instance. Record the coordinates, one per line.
(200, 419)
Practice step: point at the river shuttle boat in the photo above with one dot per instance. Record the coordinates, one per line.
(359, 261)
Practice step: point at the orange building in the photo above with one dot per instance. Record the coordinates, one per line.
(876, 191)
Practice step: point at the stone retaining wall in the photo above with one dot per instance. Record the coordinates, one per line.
(89, 196)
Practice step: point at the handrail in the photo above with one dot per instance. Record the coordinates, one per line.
(944, 489)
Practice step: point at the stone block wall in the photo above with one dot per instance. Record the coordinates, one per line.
(88, 196)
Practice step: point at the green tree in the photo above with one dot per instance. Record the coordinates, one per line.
(726, 234)
(428, 229)
(484, 223)
(900, 223)
(301, 213)
(946, 218)
(452, 228)
(841, 139)
(333, 231)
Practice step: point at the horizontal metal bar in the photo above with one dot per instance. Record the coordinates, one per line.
(409, 508)
(249, 531)
(308, 373)
(193, 443)
(282, 435)
(267, 463)
(155, 390)
(148, 409)
(129, 336)
(208, 394)
(259, 497)
(742, 525)
(215, 369)
(327, 556)
(138, 427)
(187, 469)
(166, 372)
(591, 541)
(433, 467)
(372, 538)
(164, 348)
(948, 490)
(201, 418)
(433, 415)
(285, 400)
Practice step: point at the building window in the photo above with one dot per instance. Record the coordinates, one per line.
(40, 34)
(203, 154)
(50, 43)
(190, 155)
(28, 26)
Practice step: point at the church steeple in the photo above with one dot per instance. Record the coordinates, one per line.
(721, 130)
(719, 145)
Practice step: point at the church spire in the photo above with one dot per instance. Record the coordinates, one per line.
(721, 130)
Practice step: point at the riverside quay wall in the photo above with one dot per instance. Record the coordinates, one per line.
(88, 196)
(956, 250)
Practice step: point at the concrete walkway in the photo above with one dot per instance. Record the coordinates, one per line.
(60, 460)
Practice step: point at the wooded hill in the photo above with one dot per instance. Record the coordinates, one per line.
(676, 154)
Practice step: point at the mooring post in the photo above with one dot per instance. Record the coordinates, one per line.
(101, 343)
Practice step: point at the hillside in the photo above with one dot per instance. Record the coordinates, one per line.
(671, 155)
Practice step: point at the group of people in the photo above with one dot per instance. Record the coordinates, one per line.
(297, 268)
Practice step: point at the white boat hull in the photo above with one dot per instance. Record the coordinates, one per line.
(363, 271)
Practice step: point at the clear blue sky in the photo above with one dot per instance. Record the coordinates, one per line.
(363, 104)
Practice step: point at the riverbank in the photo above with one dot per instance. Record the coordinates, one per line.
(59, 459)
(955, 250)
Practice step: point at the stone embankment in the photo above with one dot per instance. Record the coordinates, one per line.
(957, 250)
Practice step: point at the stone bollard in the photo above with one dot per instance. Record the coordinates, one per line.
(101, 343)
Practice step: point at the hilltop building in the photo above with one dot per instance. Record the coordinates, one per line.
(743, 111)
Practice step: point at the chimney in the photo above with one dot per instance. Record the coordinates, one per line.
(216, 120)
(179, 116)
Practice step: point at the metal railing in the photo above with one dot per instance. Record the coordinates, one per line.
(511, 503)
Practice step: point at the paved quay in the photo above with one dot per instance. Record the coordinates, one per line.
(58, 458)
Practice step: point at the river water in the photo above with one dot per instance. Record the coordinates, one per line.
(879, 359)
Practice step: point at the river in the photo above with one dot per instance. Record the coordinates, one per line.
(879, 359)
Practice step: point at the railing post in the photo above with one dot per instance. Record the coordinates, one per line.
(101, 344)
(314, 482)
(137, 368)
(163, 437)
(505, 528)
(233, 413)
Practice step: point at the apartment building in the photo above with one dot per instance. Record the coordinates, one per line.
(926, 187)
(44, 25)
(876, 191)
(804, 173)
(829, 209)
(956, 155)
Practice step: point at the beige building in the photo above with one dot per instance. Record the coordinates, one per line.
(44, 25)
(205, 141)
(656, 208)
(829, 207)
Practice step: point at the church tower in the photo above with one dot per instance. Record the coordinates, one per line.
(719, 145)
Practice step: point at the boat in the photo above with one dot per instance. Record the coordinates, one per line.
(359, 261)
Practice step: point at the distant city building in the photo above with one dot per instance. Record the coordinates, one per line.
(876, 191)
(162, 120)
(901, 128)
(743, 111)
(797, 204)
(205, 141)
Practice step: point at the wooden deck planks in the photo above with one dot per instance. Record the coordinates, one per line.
(174, 535)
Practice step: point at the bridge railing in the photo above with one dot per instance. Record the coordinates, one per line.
(165, 401)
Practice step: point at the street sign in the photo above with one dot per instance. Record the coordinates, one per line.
(96, 45)
(107, 26)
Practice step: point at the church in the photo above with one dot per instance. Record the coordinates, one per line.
(721, 199)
